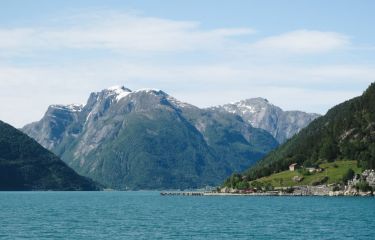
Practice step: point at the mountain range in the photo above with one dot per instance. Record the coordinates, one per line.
(146, 139)
(262, 114)
(25, 165)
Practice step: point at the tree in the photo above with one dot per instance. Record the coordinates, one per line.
(257, 185)
(328, 150)
(363, 186)
(348, 175)
(242, 185)
(233, 180)
(268, 187)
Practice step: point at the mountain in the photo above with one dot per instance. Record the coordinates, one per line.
(347, 131)
(262, 114)
(146, 139)
(25, 165)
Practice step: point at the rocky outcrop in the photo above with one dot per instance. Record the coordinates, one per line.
(369, 176)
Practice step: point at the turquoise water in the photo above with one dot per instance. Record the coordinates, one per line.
(147, 215)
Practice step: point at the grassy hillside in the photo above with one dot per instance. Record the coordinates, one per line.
(333, 171)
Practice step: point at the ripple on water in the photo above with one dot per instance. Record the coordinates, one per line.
(147, 215)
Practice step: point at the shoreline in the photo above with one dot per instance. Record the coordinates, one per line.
(273, 193)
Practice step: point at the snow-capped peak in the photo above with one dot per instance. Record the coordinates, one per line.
(117, 88)
(119, 91)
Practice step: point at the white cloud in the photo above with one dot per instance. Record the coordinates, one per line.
(120, 32)
(64, 63)
(129, 32)
(313, 89)
(14, 38)
(303, 41)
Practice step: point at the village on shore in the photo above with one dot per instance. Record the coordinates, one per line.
(360, 185)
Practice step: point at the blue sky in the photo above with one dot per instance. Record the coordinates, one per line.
(305, 55)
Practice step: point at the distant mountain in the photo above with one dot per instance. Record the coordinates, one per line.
(25, 165)
(262, 114)
(146, 139)
(347, 131)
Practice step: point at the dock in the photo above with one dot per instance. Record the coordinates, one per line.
(182, 193)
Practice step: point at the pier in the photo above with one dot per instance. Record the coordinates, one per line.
(182, 193)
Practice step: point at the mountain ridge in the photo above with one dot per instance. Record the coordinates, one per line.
(260, 113)
(146, 139)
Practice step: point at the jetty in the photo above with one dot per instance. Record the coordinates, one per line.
(182, 193)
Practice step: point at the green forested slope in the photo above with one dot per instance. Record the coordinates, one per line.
(25, 165)
(347, 131)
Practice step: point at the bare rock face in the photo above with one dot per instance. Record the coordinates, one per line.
(52, 128)
(146, 139)
(262, 114)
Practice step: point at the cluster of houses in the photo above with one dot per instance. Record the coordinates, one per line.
(294, 166)
(319, 190)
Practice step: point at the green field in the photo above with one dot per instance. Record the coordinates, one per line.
(334, 171)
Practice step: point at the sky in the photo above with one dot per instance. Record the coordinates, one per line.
(300, 55)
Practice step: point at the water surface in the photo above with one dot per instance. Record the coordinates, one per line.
(147, 215)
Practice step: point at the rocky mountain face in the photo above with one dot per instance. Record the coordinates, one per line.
(262, 114)
(146, 139)
(25, 165)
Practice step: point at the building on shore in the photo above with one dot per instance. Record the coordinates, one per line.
(293, 167)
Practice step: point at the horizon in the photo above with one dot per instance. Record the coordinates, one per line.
(199, 53)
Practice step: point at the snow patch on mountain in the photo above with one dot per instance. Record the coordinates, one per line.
(69, 107)
(178, 103)
(150, 90)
